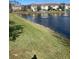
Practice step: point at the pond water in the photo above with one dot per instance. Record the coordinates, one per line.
(58, 23)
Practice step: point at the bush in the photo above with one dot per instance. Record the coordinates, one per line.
(14, 30)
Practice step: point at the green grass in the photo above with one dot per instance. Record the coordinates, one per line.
(39, 40)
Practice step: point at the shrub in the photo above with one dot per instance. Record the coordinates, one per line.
(14, 30)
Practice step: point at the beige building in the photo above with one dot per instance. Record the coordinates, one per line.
(44, 6)
(16, 8)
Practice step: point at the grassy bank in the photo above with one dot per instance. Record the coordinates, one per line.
(39, 40)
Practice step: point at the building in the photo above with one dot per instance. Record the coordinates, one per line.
(44, 7)
(16, 8)
(55, 6)
(67, 6)
(34, 7)
(40, 7)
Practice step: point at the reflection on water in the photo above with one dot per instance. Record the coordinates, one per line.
(59, 23)
(44, 15)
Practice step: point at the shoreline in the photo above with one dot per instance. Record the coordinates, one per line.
(39, 12)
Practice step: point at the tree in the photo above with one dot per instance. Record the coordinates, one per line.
(38, 8)
(49, 8)
(10, 8)
(29, 6)
(24, 8)
(13, 3)
(62, 6)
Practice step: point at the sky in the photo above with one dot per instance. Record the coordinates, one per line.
(26, 2)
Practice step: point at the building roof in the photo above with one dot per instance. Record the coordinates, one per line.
(44, 4)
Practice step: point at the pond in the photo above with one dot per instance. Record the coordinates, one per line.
(58, 23)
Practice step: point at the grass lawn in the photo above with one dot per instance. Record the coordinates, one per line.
(39, 40)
